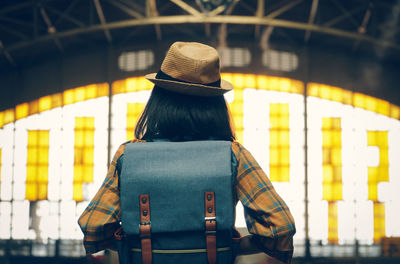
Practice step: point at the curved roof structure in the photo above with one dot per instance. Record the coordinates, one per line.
(33, 29)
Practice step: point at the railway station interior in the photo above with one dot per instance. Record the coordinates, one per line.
(316, 99)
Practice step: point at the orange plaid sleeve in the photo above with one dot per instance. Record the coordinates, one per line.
(267, 216)
(101, 217)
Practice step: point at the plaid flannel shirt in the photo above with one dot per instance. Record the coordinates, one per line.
(267, 215)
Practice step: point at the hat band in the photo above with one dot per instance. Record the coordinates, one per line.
(162, 75)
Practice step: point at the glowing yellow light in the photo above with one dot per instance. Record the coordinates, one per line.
(395, 112)
(83, 155)
(45, 103)
(21, 110)
(332, 223)
(80, 94)
(375, 176)
(249, 81)
(132, 116)
(69, 96)
(279, 151)
(332, 171)
(56, 100)
(9, 116)
(131, 85)
(379, 222)
(37, 167)
(0, 165)
(33, 107)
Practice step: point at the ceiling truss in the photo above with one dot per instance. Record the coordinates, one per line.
(146, 12)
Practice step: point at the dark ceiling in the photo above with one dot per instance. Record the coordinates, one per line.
(35, 29)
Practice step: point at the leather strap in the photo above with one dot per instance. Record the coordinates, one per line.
(145, 228)
(211, 227)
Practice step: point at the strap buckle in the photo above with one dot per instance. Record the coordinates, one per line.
(210, 218)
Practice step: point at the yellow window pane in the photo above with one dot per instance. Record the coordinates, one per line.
(56, 100)
(0, 165)
(337, 174)
(80, 94)
(238, 81)
(77, 192)
(43, 172)
(91, 91)
(262, 82)
(250, 81)
(34, 107)
(78, 155)
(327, 192)
(332, 223)
(45, 103)
(336, 94)
(284, 156)
(42, 191)
(274, 138)
(274, 173)
(43, 138)
(337, 191)
(78, 173)
(89, 122)
(284, 175)
(130, 85)
(89, 138)
(43, 156)
(33, 138)
(21, 110)
(102, 89)
(283, 138)
(1, 119)
(372, 191)
(327, 171)
(32, 155)
(274, 109)
(326, 156)
(336, 137)
(327, 139)
(395, 112)
(88, 174)
(79, 138)
(118, 87)
(274, 121)
(31, 173)
(69, 96)
(79, 122)
(273, 156)
(336, 157)
(31, 191)
(88, 156)
(379, 222)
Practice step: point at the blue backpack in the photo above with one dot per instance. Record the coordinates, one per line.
(177, 203)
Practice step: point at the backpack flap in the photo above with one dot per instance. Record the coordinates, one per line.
(176, 176)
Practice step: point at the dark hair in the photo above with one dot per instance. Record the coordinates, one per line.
(181, 117)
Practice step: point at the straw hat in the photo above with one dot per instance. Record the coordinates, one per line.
(191, 68)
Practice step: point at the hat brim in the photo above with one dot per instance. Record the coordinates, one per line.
(190, 88)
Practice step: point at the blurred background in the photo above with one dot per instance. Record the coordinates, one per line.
(316, 100)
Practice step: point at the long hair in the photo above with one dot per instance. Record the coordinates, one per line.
(181, 117)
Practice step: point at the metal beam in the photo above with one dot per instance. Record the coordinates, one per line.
(126, 9)
(342, 17)
(259, 13)
(363, 27)
(102, 19)
(7, 54)
(283, 9)
(187, 7)
(311, 19)
(63, 15)
(151, 10)
(50, 28)
(242, 20)
(13, 32)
